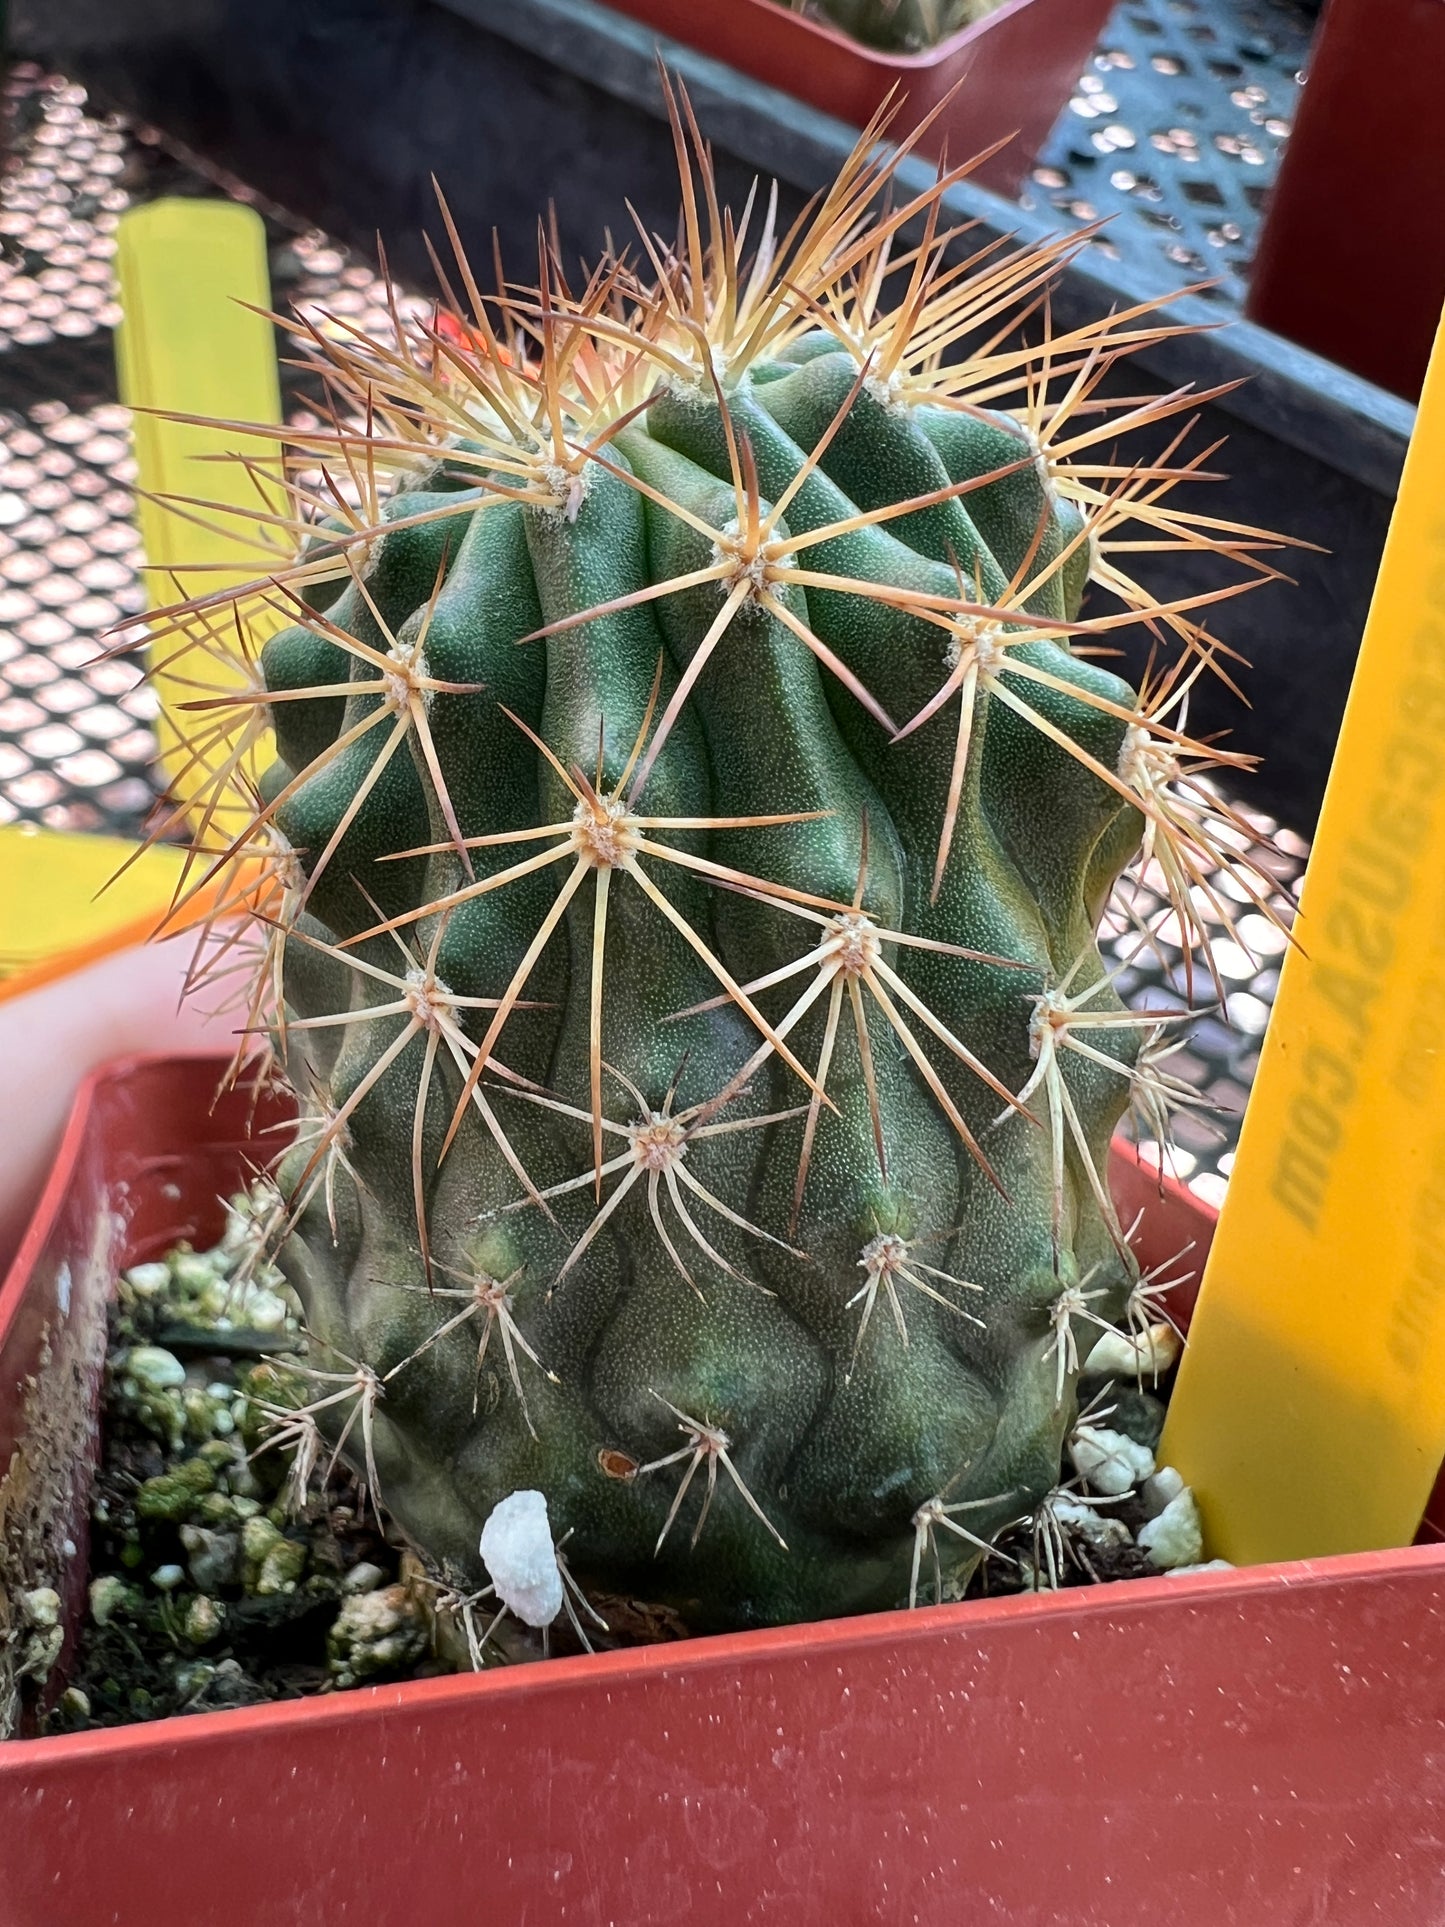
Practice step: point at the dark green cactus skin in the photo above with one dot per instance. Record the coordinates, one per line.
(838, 1442)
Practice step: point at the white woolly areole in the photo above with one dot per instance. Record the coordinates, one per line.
(519, 1554)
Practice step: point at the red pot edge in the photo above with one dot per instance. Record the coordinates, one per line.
(674, 1664)
(666, 1662)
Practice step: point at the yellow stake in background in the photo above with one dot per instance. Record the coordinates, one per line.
(1309, 1413)
(187, 345)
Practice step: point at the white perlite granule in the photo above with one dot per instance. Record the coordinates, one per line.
(1110, 1461)
(1174, 1537)
(519, 1554)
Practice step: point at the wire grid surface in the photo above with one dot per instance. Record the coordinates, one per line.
(1174, 134)
(76, 738)
(75, 726)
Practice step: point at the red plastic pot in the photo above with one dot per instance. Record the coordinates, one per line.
(1017, 68)
(1351, 259)
(1219, 1750)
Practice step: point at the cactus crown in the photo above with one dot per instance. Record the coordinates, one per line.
(694, 800)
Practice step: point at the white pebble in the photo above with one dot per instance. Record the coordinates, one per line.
(167, 1578)
(41, 1606)
(1145, 1354)
(155, 1368)
(107, 1594)
(519, 1554)
(194, 1271)
(148, 1281)
(363, 1577)
(263, 1310)
(1109, 1461)
(1176, 1537)
(1156, 1493)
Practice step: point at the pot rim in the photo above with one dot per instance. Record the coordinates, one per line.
(743, 1653)
(671, 1663)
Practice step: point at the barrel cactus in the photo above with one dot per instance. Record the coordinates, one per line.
(694, 804)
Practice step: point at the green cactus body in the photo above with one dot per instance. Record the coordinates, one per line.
(686, 959)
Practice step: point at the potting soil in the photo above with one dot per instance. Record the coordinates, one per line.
(234, 1560)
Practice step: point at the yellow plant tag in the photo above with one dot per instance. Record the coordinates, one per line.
(1309, 1415)
(54, 899)
(188, 346)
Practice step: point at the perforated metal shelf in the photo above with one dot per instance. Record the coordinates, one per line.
(76, 737)
(1174, 134)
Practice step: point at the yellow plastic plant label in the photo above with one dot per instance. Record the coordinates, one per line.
(1310, 1410)
(54, 899)
(189, 345)
(68, 900)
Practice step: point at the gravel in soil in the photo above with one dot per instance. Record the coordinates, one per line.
(214, 1582)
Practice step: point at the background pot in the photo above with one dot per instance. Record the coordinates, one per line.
(1214, 1750)
(1013, 70)
(1351, 259)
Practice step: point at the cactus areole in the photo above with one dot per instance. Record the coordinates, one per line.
(697, 791)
